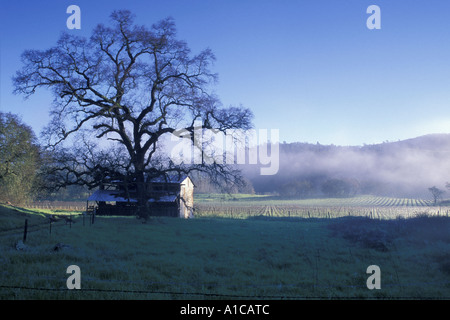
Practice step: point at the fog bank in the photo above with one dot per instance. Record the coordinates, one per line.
(402, 169)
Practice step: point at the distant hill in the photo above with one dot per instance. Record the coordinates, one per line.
(402, 168)
(428, 142)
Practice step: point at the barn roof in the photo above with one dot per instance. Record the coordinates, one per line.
(115, 195)
(106, 195)
(174, 178)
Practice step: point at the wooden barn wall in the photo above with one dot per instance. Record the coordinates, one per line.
(159, 209)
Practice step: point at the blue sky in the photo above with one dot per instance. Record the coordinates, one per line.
(311, 68)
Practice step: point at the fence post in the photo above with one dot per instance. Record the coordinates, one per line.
(25, 230)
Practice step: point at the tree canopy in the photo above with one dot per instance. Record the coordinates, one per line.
(19, 159)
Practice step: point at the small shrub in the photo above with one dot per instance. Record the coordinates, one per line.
(445, 267)
(373, 234)
(379, 234)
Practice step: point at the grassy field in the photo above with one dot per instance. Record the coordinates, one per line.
(256, 257)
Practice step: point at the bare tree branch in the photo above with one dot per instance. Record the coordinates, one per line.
(130, 85)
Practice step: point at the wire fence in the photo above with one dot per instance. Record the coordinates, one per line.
(58, 205)
(236, 295)
(50, 223)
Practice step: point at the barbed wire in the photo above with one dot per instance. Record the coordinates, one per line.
(205, 294)
(223, 295)
(226, 295)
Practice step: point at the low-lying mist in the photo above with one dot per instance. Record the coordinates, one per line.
(401, 169)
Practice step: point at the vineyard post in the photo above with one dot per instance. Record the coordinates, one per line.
(92, 217)
(25, 230)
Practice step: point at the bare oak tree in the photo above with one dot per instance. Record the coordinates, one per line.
(436, 193)
(129, 86)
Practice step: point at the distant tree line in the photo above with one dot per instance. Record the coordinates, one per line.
(330, 187)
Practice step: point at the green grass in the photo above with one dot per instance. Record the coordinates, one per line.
(14, 218)
(216, 258)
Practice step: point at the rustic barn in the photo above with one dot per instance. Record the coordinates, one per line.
(172, 196)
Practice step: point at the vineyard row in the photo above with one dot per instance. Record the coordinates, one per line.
(379, 212)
